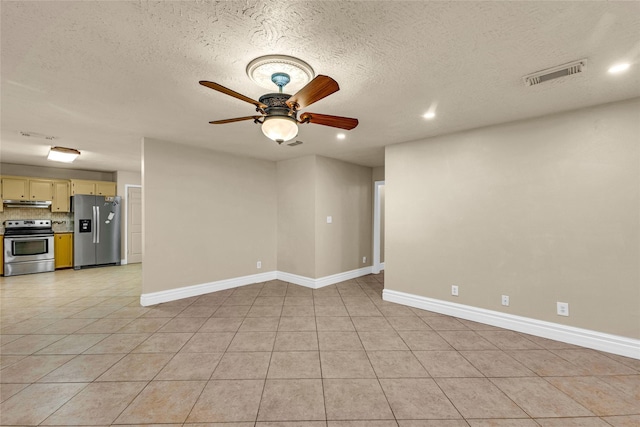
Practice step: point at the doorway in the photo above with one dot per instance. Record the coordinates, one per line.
(378, 227)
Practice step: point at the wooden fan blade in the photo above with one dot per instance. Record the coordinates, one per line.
(314, 91)
(220, 88)
(237, 119)
(326, 120)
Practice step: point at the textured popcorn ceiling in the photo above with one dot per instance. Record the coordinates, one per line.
(101, 75)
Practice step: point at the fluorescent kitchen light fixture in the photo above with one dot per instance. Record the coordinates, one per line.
(619, 68)
(62, 154)
(341, 136)
(280, 128)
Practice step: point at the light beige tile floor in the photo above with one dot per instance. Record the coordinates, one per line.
(77, 349)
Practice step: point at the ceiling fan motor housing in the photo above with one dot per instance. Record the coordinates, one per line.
(277, 105)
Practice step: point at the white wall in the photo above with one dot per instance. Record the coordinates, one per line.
(542, 210)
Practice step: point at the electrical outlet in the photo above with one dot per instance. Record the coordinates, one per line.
(454, 290)
(505, 300)
(563, 308)
(364, 259)
(259, 264)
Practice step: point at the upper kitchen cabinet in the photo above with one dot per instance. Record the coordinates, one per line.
(104, 188)
(15, 188)
(61, 194)
(82, 187)
(20, 188)
(40, 189)
(95, 188)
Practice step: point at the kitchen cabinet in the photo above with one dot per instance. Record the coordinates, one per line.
(61, 194)
(40, 189)
(95, 188)
(15, 188)
(82, 187)
(105, 188)
(18, 188)
(63, 250)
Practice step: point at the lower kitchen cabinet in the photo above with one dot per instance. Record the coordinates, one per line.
(63, 250)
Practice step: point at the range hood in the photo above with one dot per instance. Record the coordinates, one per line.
(27, 204)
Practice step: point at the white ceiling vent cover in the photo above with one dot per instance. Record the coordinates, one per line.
(564, 70)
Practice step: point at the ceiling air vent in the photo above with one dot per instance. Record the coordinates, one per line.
(293, 144)
(555, 72)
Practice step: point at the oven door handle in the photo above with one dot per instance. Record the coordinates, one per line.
(26, 238)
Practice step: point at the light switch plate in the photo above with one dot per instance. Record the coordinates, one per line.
(329, 219)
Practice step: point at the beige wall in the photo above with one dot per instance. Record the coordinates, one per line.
(310, 189)
(542, 210)
(208, 216)
(378, 173)
(54, 173)
(296, 216)
(127, 178)
(343, 191)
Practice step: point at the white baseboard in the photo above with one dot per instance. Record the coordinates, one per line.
(382, 266)
(583, 337)
(205, 288)
(123, 261)
(323, 281)
(307, 282)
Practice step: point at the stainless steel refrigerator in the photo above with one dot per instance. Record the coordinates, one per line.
(96, 231)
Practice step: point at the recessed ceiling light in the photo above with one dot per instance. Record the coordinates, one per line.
(341, 136)
(429, 115)
(618, 68)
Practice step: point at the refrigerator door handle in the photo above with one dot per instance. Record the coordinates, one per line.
(98, 225)
(94, 224)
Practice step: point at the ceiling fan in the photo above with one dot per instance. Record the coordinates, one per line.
(279, 111)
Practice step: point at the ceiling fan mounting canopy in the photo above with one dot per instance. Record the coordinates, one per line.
(280, 80)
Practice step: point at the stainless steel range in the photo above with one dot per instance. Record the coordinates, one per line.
(28, 246)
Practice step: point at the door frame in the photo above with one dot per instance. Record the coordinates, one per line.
(126, 220)
(377, 265)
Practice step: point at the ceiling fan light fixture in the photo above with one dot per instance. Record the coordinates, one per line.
(280, 128)
(62, 154)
